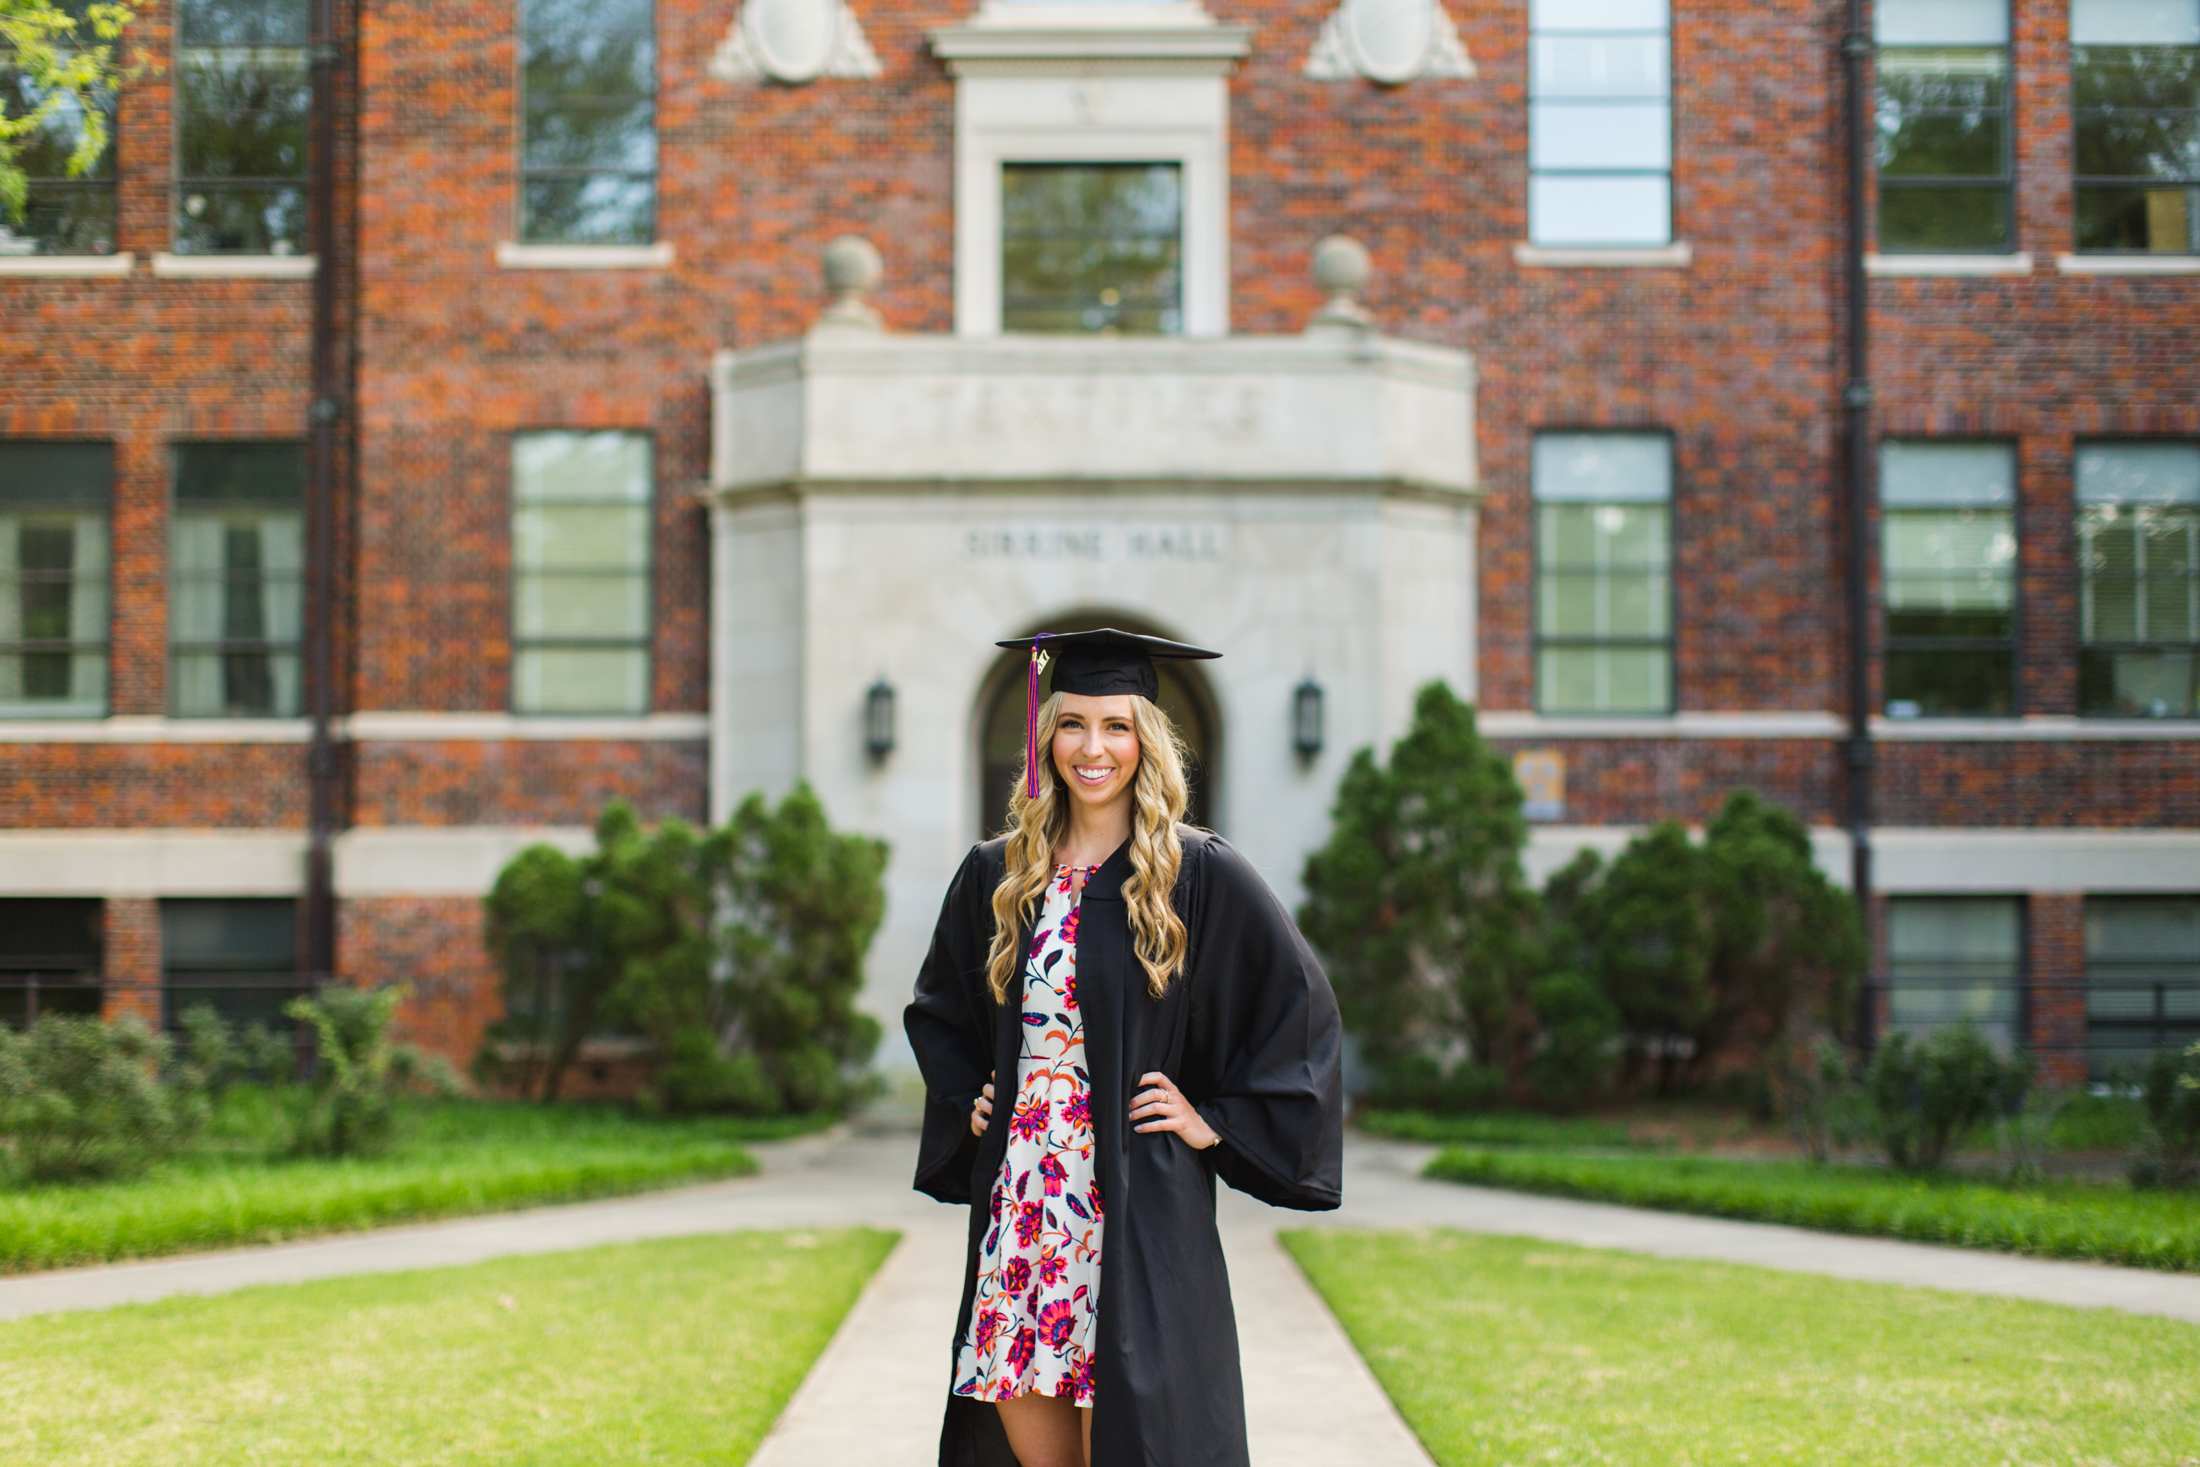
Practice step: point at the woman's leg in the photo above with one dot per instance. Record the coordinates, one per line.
(1047, 1431)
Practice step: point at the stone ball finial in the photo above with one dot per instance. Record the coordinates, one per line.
(1342, 269)
(852, 270)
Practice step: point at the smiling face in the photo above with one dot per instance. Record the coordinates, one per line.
(1096, 749)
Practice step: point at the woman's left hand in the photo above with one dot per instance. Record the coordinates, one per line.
(1164, 1108)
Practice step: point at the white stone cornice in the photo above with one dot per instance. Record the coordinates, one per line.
(420, 726)
(856, 407)
(1024, 37)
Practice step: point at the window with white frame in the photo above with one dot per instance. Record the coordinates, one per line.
(55, 502)
(1945, 155)
(243, 91)
(236, 594)
(1092, 248)
(2135, 119)
(2142, 979)
(1604, 572)
(2139, 579)
(1956, 960)
(1949, 564)
(62, 213)
(589, 135)
(581, 536)
(1600, 123)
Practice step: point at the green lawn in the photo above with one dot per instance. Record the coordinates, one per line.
(2100, 1222)
(1510, 1351)
(456, 1157)
(1498, 1128)
(665, 1353)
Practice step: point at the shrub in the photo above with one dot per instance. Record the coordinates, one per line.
(1417, 903)
(1923, 1095)
(1735, 945)
(1571, 1063)
(1418, 1082)
(556, 979)
(81, 1098)
(360, 1073)
(2170, 1091)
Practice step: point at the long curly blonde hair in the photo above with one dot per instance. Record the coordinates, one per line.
(1159, 798)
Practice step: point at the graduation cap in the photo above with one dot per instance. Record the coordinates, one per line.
(1092, 664)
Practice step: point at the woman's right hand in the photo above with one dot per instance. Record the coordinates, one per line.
(982, 1111)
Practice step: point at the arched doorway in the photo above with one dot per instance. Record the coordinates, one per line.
(1184, 697)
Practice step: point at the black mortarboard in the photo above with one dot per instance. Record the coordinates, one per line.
(1095, 665)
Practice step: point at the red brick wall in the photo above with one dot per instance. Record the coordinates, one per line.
(525, 783)
(2055, 931)
(133, 958)
(108, 785)
(1639, 781)
(2140, 784)
(432, 945)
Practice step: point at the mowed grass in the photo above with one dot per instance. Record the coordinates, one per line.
(675, 1352)
(1511, 1351)
(454, 1158)
(2099, 1222)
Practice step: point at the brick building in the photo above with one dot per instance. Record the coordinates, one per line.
(618, 499)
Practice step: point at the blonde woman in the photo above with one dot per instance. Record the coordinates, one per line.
(1115, 1012)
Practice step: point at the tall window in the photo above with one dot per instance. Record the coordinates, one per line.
(1956, 959)
(51, 954)
(588, 163)
(1092, 247)
(1600, 123)
(2135, 107)
(242, 95)
(236, 580)
(1604, 570)
(581, 521)
(1945, 156)
(54, 503)
(2142, 978)
(62, 215)
(2139, 579)
(1950, 563)
(239, 956)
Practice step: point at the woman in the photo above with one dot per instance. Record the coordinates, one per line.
(1159, 1022)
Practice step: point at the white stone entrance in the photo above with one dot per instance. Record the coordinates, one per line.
(885, 508)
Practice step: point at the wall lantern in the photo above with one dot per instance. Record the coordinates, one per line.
(1306, 718)
(878, 719)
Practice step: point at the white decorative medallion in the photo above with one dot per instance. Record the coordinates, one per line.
(1387, 41)
(794, 41)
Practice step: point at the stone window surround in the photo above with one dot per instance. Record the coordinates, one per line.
(1679, 255)
(1083, 83)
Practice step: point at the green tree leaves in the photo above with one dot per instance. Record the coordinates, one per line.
(65, 55)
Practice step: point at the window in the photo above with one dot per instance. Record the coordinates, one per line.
(1604, 570)
(54, 501)
(1950, 537)
(1944, 131)
(1600, 123)
(2142, 978)
(2139, 579)
(1092, 248)
(2135, 109)
(588, 165)
(237, 955)
(581, 532)
(62, 214)
(236, 580)
(1956, 959)
(51, 955)
(242, 95)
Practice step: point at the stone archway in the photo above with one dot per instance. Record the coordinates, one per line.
(1185, 697)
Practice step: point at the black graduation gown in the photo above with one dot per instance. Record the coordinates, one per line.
(1248, 1031)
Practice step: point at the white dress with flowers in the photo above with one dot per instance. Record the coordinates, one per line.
(1031, 1321)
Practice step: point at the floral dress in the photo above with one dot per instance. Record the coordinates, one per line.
(1038, 1292)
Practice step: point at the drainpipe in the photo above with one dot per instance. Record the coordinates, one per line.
(324, 417)
(1856, 409)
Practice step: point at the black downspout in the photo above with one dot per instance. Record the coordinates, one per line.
(324, 416)
(1856, 408)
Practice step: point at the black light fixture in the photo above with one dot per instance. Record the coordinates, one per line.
(878, 719)
(1306, 718)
